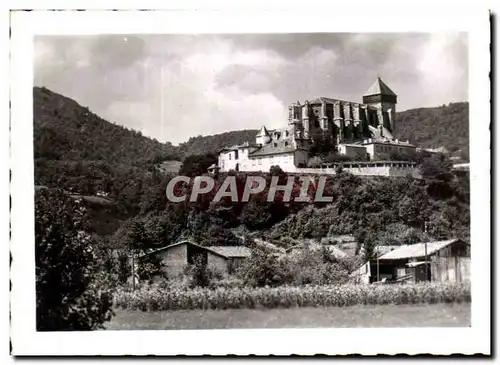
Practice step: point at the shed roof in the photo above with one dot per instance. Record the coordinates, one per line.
(382, 250)
(417, 250)
(231, 251)
(184, 242)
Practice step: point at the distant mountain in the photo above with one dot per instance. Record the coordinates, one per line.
(445, 126)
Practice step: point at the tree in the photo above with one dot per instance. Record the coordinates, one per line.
(70, 295)
(276, 170)
(196, 165)
(199, 274)
(436, 166)
(262, 269)
(123, 268)
(140, 242)
(322, 146)
(218, 236)
(255, 215)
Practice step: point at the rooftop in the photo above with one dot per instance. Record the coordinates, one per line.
(231, 251)
(269, 149)
(263, 132)
(183, 242)
(417, 250)
(239, 146)
(379, 88)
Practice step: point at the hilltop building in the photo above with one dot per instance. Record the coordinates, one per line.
(363, 131)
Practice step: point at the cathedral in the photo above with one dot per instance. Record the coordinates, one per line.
(362, 131)
(346, 121)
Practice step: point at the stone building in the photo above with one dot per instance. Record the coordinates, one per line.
(363, 131)
(176, 257)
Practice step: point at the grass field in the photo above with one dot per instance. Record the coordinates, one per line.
(426, 315)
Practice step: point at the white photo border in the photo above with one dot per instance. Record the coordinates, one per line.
(338, 18)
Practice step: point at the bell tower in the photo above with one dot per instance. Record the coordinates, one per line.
(382, 97)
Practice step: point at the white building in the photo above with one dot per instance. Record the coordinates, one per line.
(275, 147)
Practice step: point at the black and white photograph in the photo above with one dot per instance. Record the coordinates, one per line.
(238, 184)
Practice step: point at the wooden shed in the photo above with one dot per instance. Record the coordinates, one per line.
(427, 261)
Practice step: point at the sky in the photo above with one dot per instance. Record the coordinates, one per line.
(173, 87)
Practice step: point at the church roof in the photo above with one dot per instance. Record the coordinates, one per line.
(269, 149)
(321, 99)
(379, 88)
(263, 132)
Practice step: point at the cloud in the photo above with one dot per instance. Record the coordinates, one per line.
(172, 87)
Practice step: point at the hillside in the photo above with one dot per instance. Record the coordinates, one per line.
(78, 151)
(444, 126)
(201, 145)
(81, 153)
(65, 130)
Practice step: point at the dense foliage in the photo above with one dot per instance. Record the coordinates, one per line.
(445, 126)
(319, 267)
(71, 285)
(202, 145)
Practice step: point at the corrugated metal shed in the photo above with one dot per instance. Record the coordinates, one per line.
(417, 250)
(382, 250)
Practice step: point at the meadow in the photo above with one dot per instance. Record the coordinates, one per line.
(406, 315)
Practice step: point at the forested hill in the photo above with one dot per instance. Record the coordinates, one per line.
(445, 126)
(65, 130)
(209, 144)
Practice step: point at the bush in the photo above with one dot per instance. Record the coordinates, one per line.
(150, 267)
(263, 269)
(199, 275)
(72, 292)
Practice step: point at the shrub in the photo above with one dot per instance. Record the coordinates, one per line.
(150, 267)
(124, 268)
(72, 290)
(263, 269)
(199, 275)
